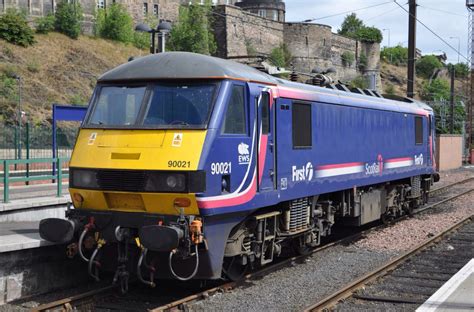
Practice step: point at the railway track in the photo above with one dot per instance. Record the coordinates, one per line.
(86, 300)
(421, 277)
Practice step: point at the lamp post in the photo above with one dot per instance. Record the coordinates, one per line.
(459, 45)
(18, 79)
(163, 29)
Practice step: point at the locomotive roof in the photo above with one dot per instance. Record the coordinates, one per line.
(186, 65)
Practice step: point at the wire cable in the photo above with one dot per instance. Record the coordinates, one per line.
(432, 31)
(442, 11)
(345, 12)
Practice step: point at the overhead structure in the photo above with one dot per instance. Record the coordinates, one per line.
(470, 107)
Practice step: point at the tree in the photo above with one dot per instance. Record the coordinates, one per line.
(354, 28)
(369, 34)
(395, 55)
(115, 24)
(193, 32)
(45, 24)
(438, 93)
(68, 18)
(427, 65)
(461, 69)
(14, 28)
(351, 26)
(281, 56)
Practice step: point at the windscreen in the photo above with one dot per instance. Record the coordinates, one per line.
(160, 105)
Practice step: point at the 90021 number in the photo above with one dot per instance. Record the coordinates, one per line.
(221, 168)
(179, 164)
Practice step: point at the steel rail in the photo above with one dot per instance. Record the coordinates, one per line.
(67, 302)
(443, 188)
(348, 290)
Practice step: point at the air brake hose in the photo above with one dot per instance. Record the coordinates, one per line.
(139, 271)
(192, 274)
(92, 261)
(81, 239)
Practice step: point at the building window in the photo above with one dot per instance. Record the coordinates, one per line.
(262, 13)
(145, 9)
(234, 122)
(418, 130)
(155, 10)
(275, 15)
(101, 4)
(301, 125)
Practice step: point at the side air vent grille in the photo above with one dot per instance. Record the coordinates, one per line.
(298, 215)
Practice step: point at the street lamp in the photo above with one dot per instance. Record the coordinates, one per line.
(163, 29)
(18, 78)
(459, 45)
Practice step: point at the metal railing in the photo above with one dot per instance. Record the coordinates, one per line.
(56, 175)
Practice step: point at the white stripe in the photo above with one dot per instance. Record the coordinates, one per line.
(323, 173)
(398, 164)
(438, 299)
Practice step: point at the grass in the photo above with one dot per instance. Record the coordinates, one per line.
(58, 69)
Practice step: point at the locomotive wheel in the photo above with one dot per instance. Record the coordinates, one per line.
(301, 248)
(233, 270)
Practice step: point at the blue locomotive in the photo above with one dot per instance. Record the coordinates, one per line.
(189, 166)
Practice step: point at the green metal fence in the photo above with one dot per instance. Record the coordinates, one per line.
(35, 142)
(24, 165)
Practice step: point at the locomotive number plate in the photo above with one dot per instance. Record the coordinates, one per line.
(124, 201)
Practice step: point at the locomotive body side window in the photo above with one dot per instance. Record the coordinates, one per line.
(301, 125)
(234, 121)
(265, 102)
(418, 130)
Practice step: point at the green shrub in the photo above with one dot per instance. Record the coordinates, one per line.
(193, 32)
(14, 28)
(45, 24)
(461, 69)
(347, 58)
(437, 90)
(353, 27)
(369, 34)
(281, 56)
(390, 89)
(395, 55)
(427, 65)
(68, 18)
(115, 23)
(33, 67)
(359, 82)
(362, 62)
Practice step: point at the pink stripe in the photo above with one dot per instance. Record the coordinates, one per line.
(261, 156)
(354, 164)
(398, 160)
(242, 199)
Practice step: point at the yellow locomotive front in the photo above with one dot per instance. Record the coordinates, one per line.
(155, 130)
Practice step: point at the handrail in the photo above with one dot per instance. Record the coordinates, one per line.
(58, 175)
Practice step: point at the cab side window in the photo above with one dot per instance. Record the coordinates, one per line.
(234, 122)
(418, 130)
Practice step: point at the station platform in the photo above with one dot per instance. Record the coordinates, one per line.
(20, 235)
(457, 294)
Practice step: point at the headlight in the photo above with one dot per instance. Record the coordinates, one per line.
(166, 182)
(83, 178)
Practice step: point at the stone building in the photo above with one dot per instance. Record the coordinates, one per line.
(244, 28)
